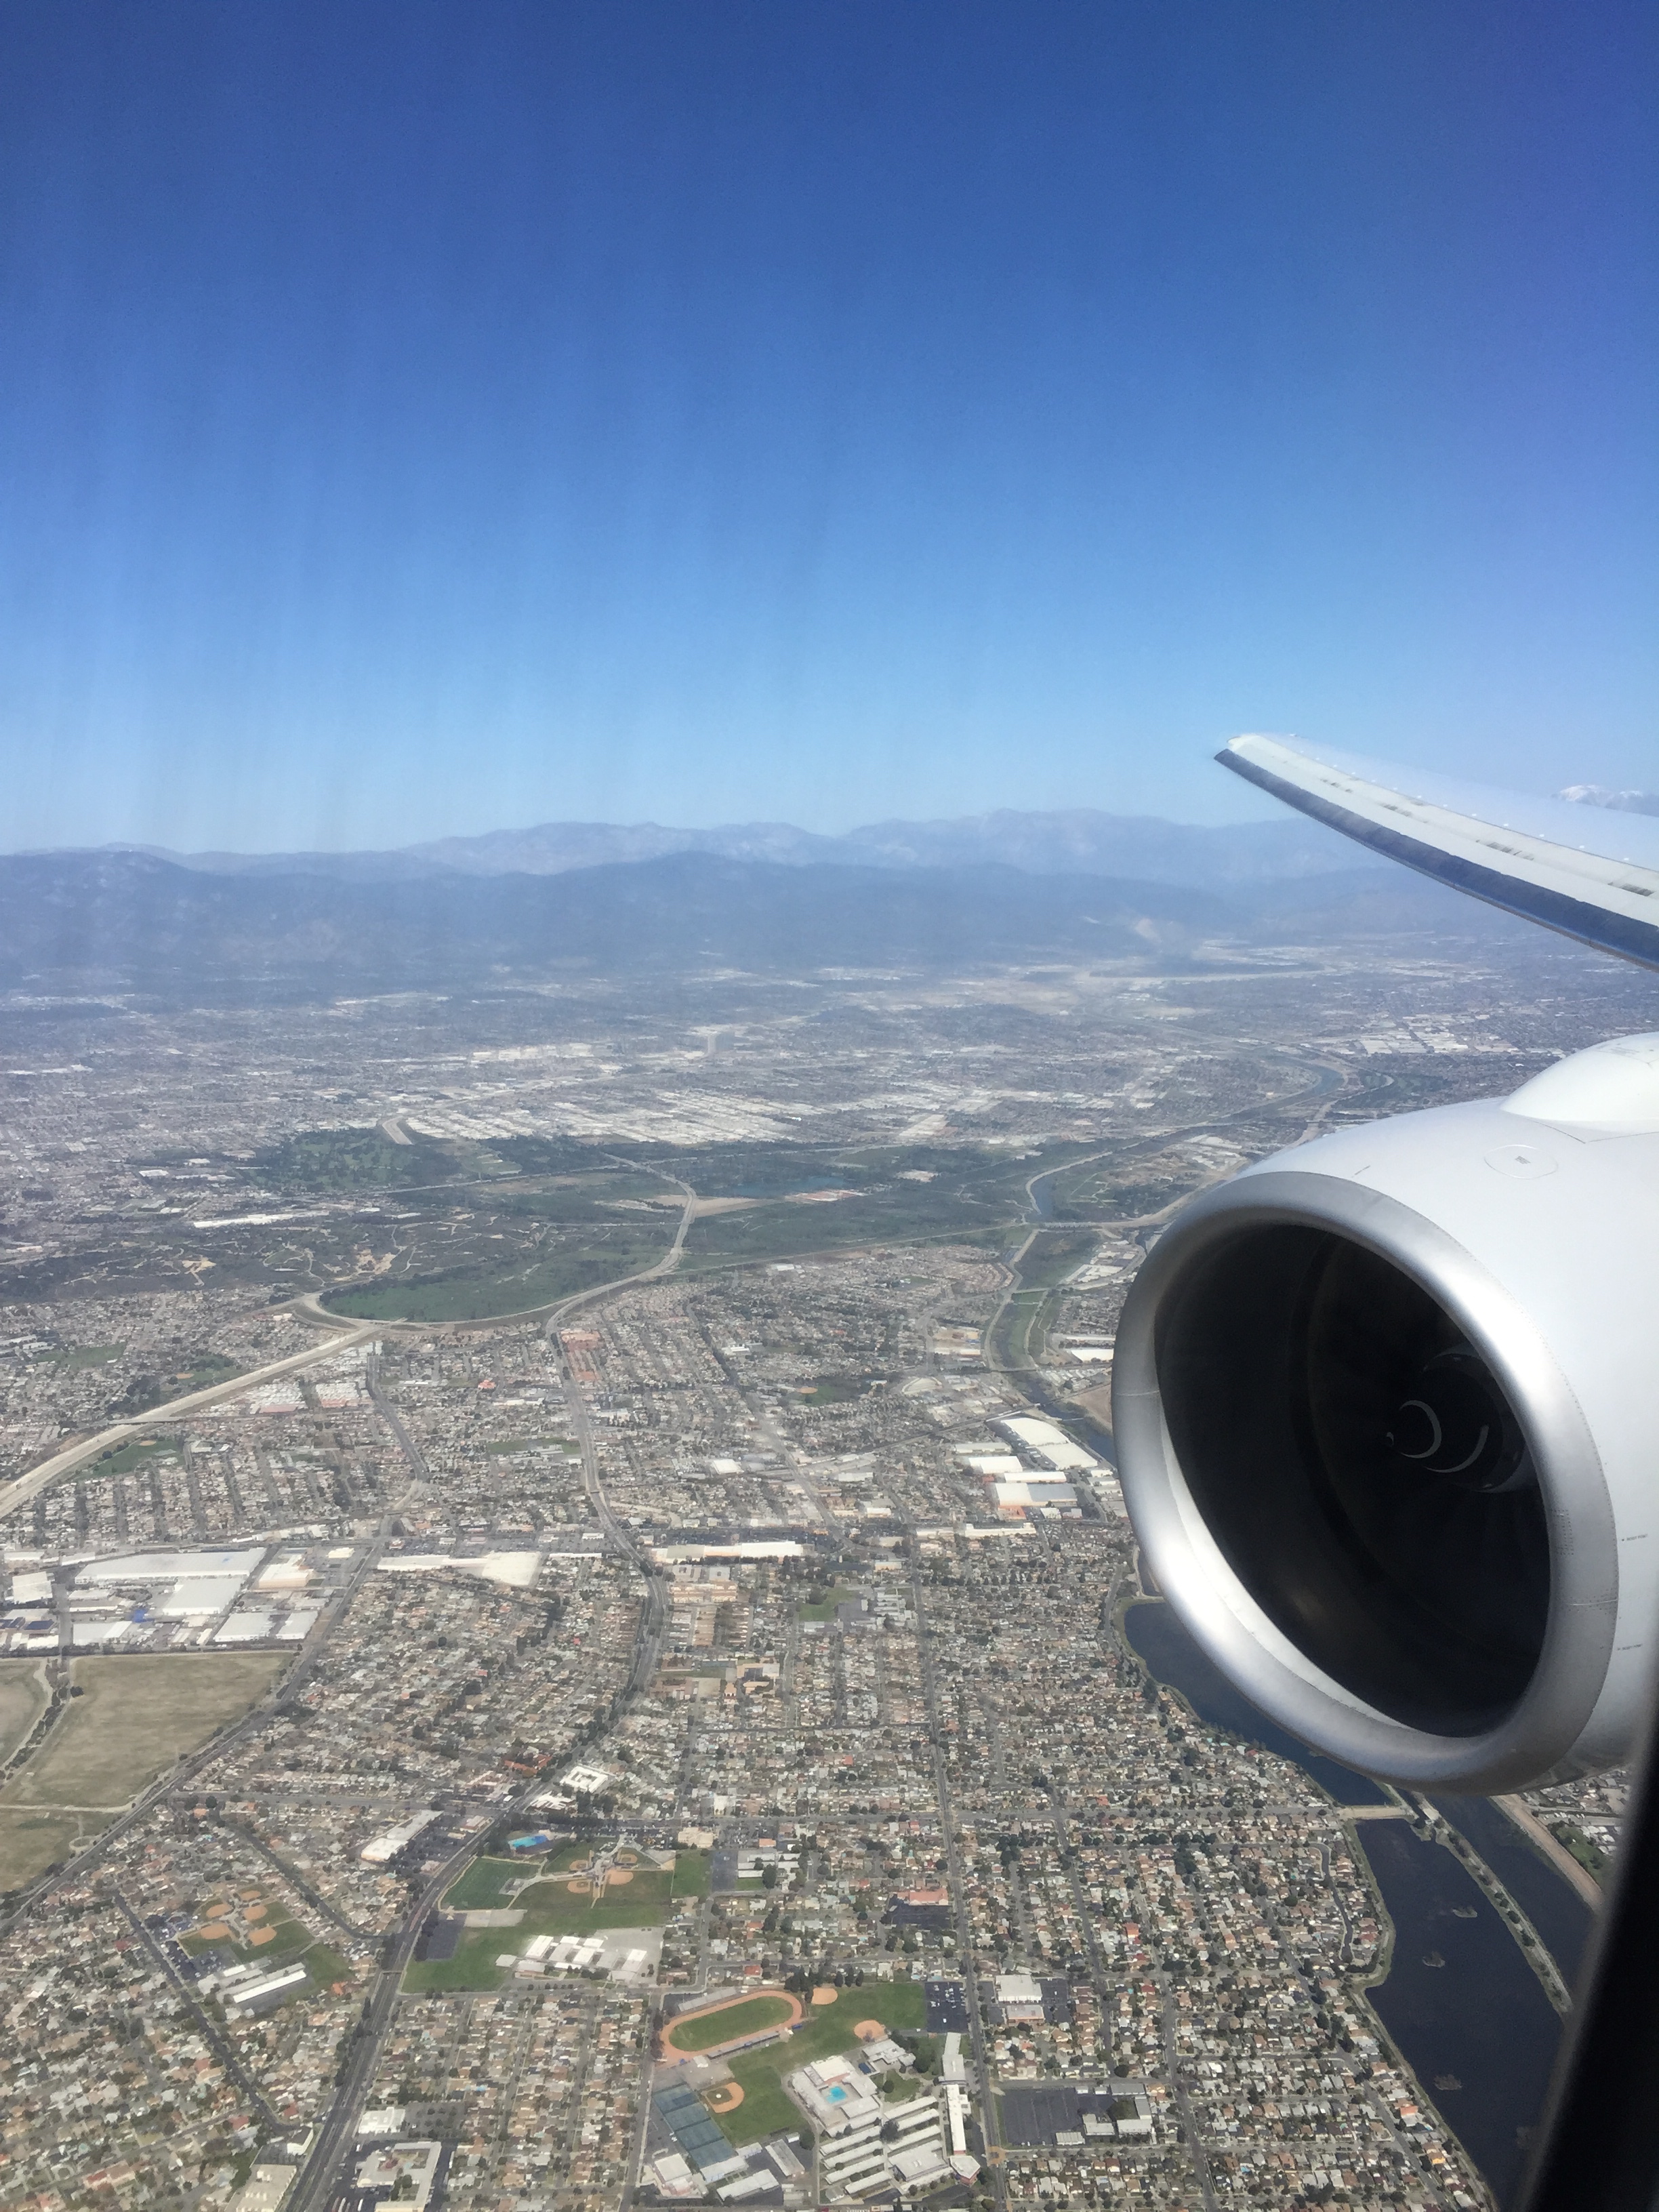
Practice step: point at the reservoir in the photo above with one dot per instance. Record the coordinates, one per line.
(1478, 2017)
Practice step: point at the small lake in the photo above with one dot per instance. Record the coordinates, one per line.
(1481, 2017)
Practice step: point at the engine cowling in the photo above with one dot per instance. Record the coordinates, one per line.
(1386, 1408)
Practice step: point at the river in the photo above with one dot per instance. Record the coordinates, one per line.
(1476, 2028)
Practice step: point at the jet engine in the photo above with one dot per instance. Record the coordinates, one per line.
(1386, 1408)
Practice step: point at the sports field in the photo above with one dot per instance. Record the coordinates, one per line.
(635, 1896)
(551, 1907)
(766, 2107)
(730, 2023)
(134, 1718)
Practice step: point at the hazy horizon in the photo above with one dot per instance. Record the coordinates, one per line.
(416, 424)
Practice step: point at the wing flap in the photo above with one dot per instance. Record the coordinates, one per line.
(1588, 872)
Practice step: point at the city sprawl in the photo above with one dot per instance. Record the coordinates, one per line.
(571, 1637)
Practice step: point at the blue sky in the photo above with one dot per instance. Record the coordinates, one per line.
(426, 419)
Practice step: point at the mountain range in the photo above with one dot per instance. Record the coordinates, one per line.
(1082, 841)
(90, 923)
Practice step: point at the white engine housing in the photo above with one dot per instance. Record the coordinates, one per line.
(1482, 1623)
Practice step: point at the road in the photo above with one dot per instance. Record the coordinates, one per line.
(1327, 1081)
(296, 1880)
(406, 1444)
(1195, 2150)
(1085, 1911)
(653, 1615)
(210, 2027)
(1578, 1878)
(337, 2128)
(563, 1310)
(276, 1701)
(986, 2095)
(13, 1495)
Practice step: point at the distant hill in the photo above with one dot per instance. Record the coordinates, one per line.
(130, 921)
(1082, 841)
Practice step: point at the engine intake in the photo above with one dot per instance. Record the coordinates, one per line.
(1362, 1471)
(1386, 1411)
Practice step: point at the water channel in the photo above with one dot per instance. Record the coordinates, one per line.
(1461, 2002)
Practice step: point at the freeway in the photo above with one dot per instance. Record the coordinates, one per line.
(29, 1485)
(1328, 1080)
(345, 1334)
(336, 2130)
(562, 1309)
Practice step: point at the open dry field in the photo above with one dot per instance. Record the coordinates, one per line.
(23, 1697)
(134, 1718)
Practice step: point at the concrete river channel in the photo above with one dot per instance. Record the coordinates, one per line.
(1460, 2004)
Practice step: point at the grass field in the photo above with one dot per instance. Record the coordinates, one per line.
(138, 1452)
(289, 1940)
(824, 1608)
(486, 1298)
(765, 2107)
(135, 1718)
(481, 1887)
(765, 2110)
(1589, 1856)
(748, 2016)
(23, 1697)
(472, 1967)
(34, 1838)
(548, 1909)
(690, 1875)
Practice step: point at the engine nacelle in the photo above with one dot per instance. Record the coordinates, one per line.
(1387, 1410)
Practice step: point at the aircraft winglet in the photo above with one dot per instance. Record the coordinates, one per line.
(1587, 872)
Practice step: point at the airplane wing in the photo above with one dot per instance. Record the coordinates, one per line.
(1588, 871)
